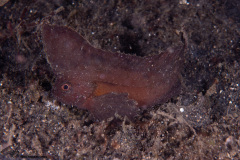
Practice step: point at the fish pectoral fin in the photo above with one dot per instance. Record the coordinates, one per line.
(107, 105)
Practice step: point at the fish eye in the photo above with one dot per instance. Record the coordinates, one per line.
(66, 87)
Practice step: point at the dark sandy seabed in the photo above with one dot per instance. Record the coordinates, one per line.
(36, 126)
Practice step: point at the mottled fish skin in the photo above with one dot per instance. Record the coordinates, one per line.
(104, 82)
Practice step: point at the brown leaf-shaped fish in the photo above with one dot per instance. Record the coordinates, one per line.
(106, 83)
